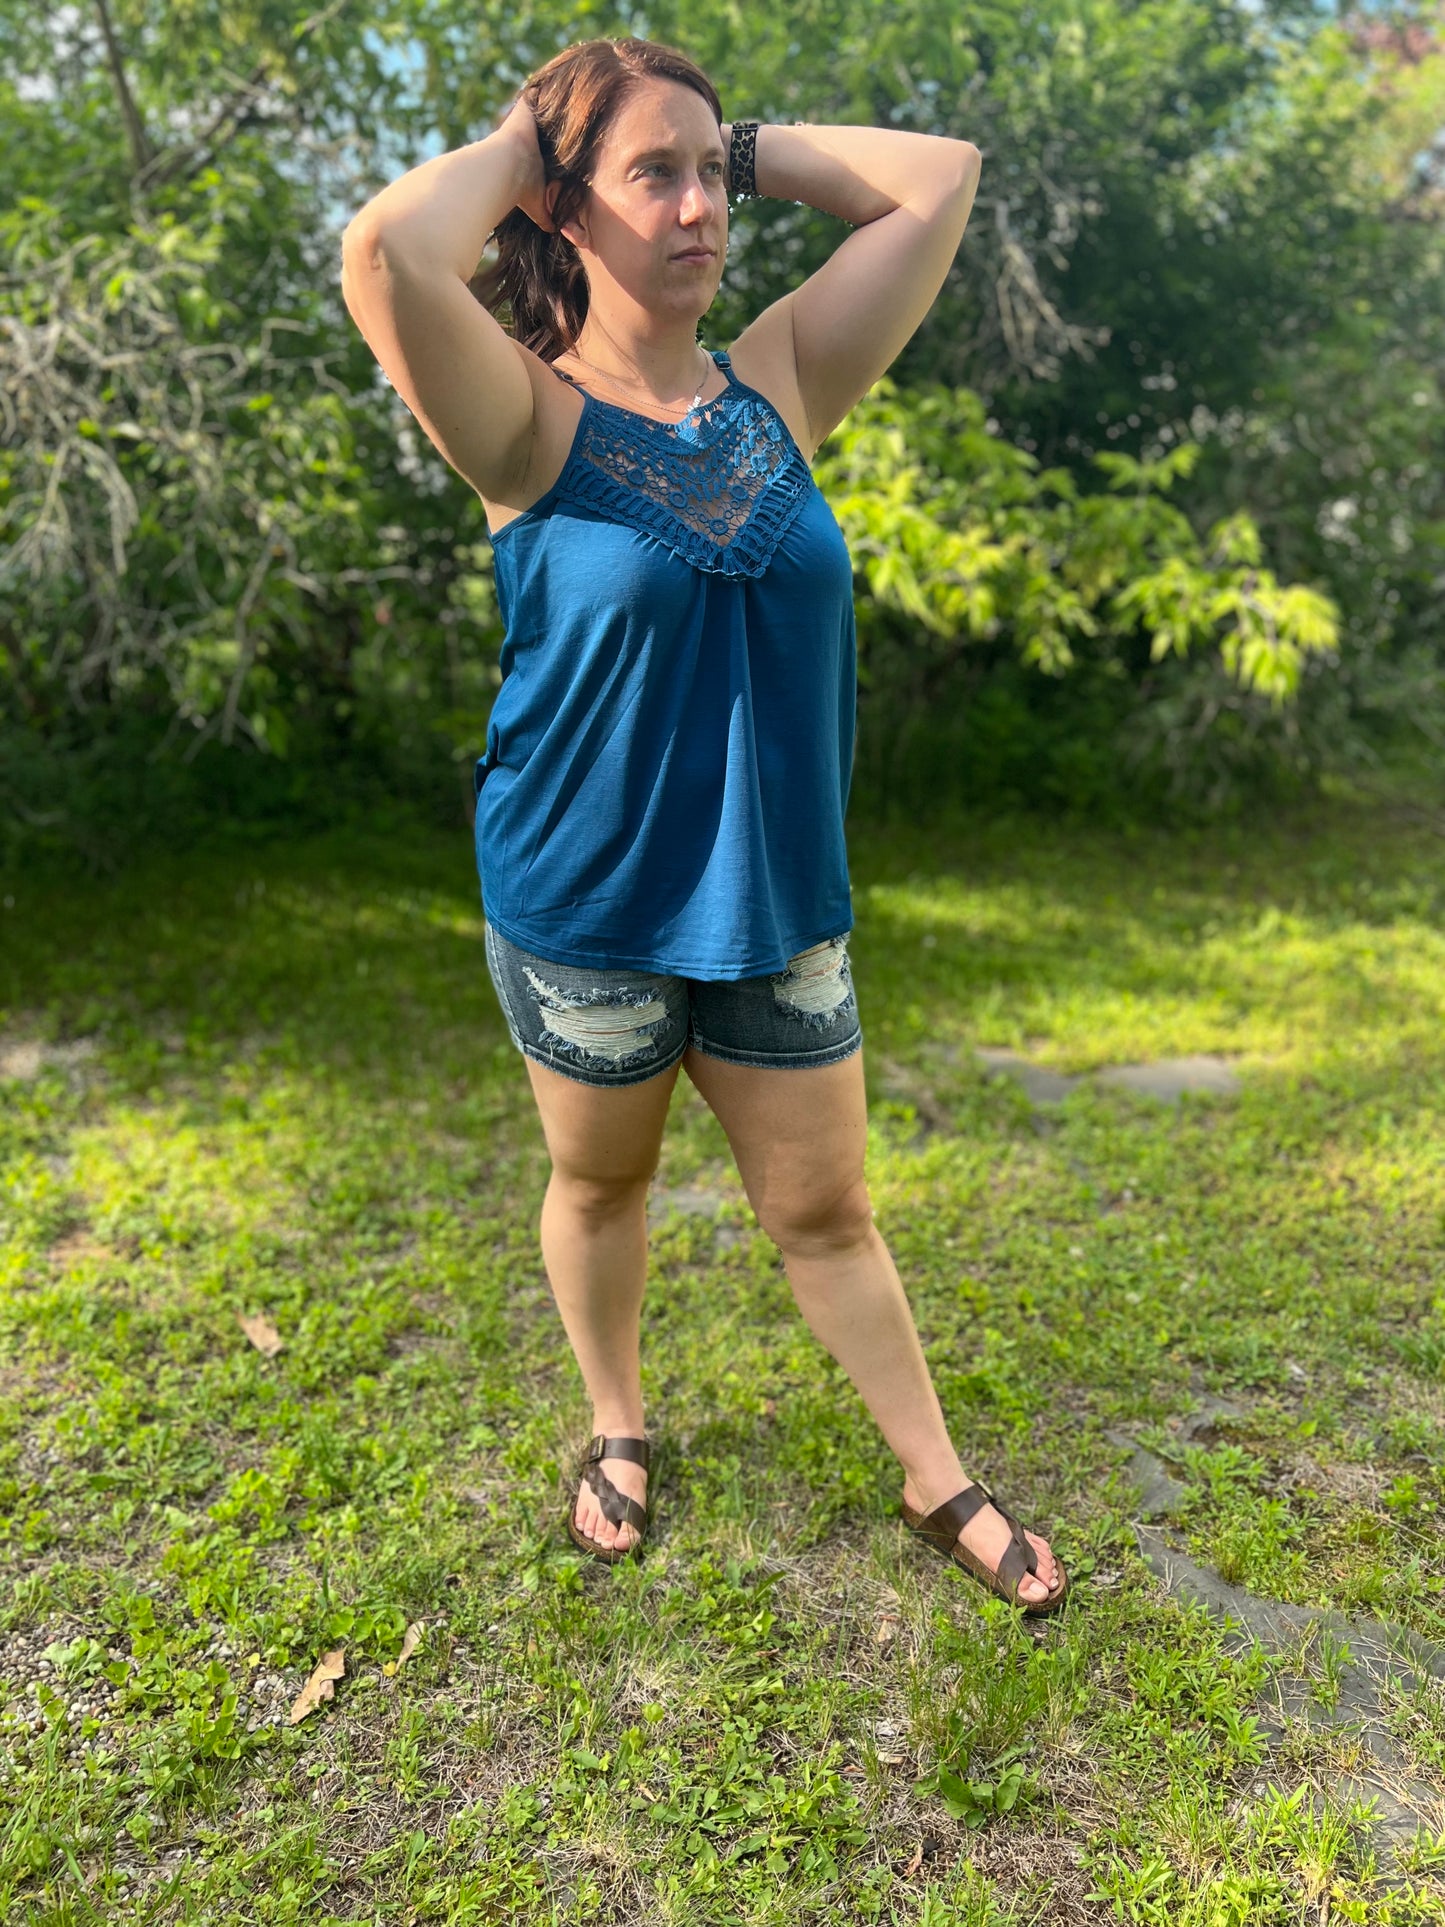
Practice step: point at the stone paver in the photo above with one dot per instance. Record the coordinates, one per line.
(1166, 1080)
(1040, 1086)
(1172, 1076)
(1379, 1652)
(692, 1201)
(24, 1058)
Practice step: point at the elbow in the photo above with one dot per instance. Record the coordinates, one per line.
(969, 160)
(360, 243)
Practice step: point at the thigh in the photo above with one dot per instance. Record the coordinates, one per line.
(779, 1062)
(602, 1049)
(607, 1142)
(799, 1136)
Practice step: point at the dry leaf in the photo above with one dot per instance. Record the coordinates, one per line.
(261, 1332)
(887, 1626)
(410, 1640)
(914, 1864)
(321, 1685)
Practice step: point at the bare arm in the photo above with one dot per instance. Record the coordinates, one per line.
(909, 197)
(857, 173)
(406, 259)
(444, 210)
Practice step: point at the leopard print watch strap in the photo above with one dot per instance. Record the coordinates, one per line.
(741, 154)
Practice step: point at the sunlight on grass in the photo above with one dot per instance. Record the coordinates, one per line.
(302, 1102)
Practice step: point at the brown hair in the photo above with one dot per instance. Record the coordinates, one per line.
(574, 98)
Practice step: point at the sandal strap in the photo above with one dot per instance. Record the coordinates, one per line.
(638, 1450)
(618, 1507)
(946, 1521)
(1019, 1559)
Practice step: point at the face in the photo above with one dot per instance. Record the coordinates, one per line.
(657, 189)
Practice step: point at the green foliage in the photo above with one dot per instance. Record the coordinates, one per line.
(965, 535)
(975, 1802)
(975, 564)
(1203, 264)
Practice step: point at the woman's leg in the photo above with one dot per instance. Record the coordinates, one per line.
(798, 1135)
(604, 1145)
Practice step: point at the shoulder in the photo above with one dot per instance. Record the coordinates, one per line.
(762, 356)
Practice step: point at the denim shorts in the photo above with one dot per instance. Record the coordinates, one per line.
(622, 1026)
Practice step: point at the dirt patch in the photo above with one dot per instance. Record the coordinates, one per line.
(22, 1059)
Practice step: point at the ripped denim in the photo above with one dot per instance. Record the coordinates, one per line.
(621, 1026)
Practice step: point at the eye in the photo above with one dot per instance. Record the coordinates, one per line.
(660, 167)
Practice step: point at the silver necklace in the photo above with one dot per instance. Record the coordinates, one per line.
(635, 385)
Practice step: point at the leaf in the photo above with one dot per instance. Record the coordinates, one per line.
(261, 1332)
(959, 1797)
(410, 1641)
(321, 1685)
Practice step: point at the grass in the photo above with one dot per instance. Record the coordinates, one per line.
(276, 1081)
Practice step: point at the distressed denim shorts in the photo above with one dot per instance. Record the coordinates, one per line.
(622, 1026)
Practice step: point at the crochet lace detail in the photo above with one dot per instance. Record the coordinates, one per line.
(720, 487)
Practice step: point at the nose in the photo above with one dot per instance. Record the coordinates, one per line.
(695, 203)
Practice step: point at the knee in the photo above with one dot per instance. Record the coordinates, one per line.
(823, 1223)
(599, 1200)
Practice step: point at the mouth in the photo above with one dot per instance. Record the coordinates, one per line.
(695, 255)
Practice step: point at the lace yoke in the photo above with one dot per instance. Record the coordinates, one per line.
(720, 487)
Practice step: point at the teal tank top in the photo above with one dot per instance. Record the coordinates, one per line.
(670, 753)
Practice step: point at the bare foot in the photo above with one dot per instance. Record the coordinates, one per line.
(987, 1536)
(628, 1477)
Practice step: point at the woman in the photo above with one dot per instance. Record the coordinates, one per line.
(660, 805)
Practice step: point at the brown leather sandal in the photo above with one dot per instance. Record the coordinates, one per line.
(617, 1507)
(942, 1526)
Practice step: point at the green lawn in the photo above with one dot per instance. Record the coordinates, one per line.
(275, 1081)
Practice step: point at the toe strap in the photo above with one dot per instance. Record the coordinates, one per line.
(946, 1521)
(1019, 1559)
(616, 1506)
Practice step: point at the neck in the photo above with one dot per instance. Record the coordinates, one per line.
(666, 360)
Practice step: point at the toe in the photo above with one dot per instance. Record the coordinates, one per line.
(1047, 1576)
(591, 1521)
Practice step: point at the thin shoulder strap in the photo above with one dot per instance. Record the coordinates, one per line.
(724, 361)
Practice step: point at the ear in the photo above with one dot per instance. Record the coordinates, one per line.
(574, 230)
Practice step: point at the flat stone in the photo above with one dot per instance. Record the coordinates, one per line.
(1378, 1650)
(1172, 1076)
(692, 1200)
(1040, 1086)
(1160, 1494)
(899, 1081)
